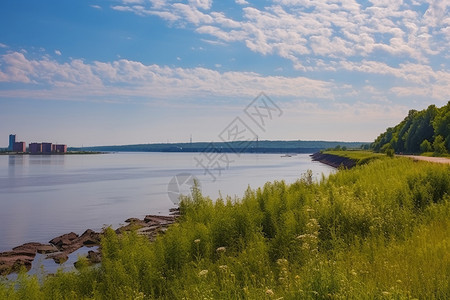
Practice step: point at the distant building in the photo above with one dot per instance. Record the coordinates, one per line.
(35, 148)
(60, 148)
(46, 148)
(20, 147)
(12, 140)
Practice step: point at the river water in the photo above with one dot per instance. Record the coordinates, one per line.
(42, 197)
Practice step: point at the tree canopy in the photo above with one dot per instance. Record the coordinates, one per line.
(421, 131)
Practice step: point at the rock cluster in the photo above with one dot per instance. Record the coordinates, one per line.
(60, 247)
(11, 261)
(152, 225)
(70, 242)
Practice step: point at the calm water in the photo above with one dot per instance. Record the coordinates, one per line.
(42, 197)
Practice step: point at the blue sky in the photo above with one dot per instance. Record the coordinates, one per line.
(145, 71)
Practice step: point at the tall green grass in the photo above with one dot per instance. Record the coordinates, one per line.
(360, 157)
(377, 231)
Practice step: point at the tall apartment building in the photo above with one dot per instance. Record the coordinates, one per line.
(59, 148)
(46, 148)
(12, 140)
(20, 147)
(35, 148)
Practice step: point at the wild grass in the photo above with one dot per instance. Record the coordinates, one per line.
(377, 231)
(361, 157)
(431, 154)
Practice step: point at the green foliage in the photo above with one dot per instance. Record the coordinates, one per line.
(439, 145)
(419, 126)
(425, 146)
(441, 125)
(390, 152)
(379, 230)
(359, 156)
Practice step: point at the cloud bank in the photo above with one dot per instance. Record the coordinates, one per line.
(131, 78)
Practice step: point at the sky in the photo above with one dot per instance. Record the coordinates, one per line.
(117, 72)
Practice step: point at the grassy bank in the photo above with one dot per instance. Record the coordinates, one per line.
(360, 157)
(433, 154)
(378, 231)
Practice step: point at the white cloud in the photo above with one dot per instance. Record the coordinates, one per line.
(409, 91)
(16, 68)
(57, 52)
(416, 80)
(192, 14)
(213, 42)
(203, 4)
(132, 1)
(125, 78)
(414, 73)
(392, 39)
(221, 19)
(168, 16)
(299, 30)
(123, 8)
(156, 4)
(96, 6)
(3, 45)
(220, 34)
(388, 38)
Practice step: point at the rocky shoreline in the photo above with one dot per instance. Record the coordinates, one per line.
(333, 160)
(59, 248)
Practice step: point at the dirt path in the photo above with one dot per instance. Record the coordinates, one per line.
(440, 160)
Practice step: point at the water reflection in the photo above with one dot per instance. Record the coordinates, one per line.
(15, 162)
(47, 159)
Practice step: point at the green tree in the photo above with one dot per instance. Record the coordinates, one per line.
(439, 145)
(441, 124)
(418, 126)
(390, 152)
(421, 129)
(425, 146)
(388, 149)
(403, 129)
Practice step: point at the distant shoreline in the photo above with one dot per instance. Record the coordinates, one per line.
(244, 146)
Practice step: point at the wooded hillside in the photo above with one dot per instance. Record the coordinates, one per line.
(422, 131)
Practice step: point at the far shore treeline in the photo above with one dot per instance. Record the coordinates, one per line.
(239, 147)
(425, 131)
